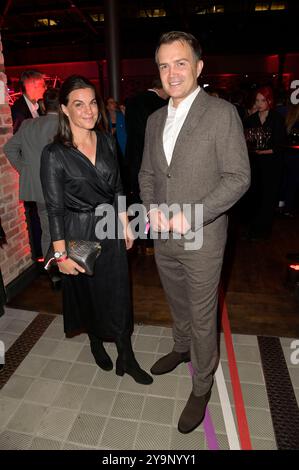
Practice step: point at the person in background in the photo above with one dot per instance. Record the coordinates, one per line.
(292, 162)
(194, 153)
(138, 109)
(249, 106)
(117, 127)
(266, 135)
(3, 240)
(122, 108)
(33, 86)
(116, 123)
(237, 99)
(212, 91)
(2, 293)
(24, 151)
(79, 173)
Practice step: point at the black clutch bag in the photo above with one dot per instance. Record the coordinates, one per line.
(85, 253)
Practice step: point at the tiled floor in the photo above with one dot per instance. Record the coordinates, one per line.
(59, 399)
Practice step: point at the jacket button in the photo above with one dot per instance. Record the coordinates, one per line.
(168, 175)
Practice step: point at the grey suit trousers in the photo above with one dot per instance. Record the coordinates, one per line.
(44, 223)
(190, 280)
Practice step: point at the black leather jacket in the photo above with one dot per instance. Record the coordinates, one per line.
(73, 187)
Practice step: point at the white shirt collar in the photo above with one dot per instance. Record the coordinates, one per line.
(153, 90)
(33, 107)
(174, 123)
(184, 105)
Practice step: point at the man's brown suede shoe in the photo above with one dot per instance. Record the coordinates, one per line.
(194, 412)
(169, 362)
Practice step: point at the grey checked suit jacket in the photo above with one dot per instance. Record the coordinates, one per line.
(24, 150)
(209, 163)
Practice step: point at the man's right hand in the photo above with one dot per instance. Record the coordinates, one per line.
(158, 221)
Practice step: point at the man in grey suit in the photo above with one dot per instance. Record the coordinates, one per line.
(195, 154)
(24, 151)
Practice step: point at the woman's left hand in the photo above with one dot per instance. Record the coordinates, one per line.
(129, 237)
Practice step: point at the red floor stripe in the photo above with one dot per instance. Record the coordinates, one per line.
(237, 391)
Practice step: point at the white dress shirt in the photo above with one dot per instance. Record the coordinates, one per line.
(174, 122)
(33, 107)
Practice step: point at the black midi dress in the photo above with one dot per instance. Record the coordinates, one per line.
(266, 173)
(73, 187)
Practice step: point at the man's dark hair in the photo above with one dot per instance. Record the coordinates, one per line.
(51, 100)
(29, 75)
(181, 36)
(76, 82)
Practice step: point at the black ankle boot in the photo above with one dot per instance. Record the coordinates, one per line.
(127, 363)
(99, 353)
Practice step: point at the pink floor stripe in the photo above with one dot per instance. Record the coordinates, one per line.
(207, 424)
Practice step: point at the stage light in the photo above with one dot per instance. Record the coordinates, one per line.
(292, 277)
(293, 274)
(294, 266)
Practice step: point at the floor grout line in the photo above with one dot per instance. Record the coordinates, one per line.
(117, 390)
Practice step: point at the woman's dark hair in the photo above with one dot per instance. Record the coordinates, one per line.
(181, 36)
(76, 82)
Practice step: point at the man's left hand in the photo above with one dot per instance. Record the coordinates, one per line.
(179, 224)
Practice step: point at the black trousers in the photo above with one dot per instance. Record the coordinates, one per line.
(34, 229)
(266, 175)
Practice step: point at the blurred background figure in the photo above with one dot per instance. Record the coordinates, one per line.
(250, 106)
(122, 108)
(117, 127)
(24, 151)
(266, 135)
(237, 99)
(212, 91)
(292, 162)
(33, 87)
(3, 240)
(116, 122)
(138, 109)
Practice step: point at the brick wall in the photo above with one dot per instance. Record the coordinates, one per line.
(15, 257)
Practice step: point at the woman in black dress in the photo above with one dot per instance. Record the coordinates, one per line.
(79, 173)
(265, 134)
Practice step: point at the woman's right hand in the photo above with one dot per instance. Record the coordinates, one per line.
(68, 266)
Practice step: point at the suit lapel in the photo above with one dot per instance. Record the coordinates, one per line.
(25, 109)
(160, 123)
(191, 123)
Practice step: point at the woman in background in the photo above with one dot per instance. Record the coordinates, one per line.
(265, 134)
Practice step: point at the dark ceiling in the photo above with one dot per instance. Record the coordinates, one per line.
(65, 30)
